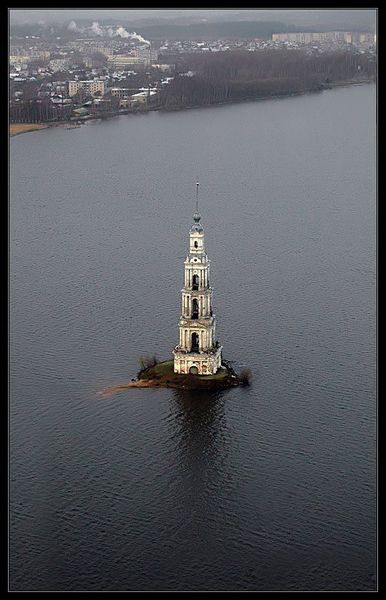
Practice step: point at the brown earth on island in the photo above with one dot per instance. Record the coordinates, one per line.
(162, 375)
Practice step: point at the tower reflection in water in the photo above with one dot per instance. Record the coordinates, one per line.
(200, 418)
(203, 483)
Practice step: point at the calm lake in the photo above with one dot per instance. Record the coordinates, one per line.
(270, 487)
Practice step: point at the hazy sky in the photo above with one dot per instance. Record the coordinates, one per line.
(24, 16)
(20, 16)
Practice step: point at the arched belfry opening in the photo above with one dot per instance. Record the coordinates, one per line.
(195, 342)
(195, 308)
(195, 282)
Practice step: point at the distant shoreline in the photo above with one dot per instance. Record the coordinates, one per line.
(271, 97)
(19, 128)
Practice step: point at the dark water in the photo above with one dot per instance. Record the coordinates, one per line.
(266, 488)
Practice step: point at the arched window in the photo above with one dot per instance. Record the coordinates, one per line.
(196, 281)
(195, 309)
(196, 244)
(195, 342)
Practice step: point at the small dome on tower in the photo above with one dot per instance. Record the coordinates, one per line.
(196, 227)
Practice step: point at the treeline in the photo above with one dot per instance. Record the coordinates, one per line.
(38, 111)
(238, 75)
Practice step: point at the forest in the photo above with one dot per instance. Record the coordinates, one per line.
(211, 78)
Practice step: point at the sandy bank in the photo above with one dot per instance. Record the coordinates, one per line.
(138, 383)
(17, 128)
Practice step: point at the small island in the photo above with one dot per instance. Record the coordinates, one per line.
(161, 374)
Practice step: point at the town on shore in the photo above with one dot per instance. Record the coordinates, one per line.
(71, 74)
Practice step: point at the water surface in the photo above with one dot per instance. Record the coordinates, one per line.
(270, 487)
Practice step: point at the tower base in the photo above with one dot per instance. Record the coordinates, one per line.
(197, 363)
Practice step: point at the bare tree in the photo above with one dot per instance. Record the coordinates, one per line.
(245, 376)
(237, 75)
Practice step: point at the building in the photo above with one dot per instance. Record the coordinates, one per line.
(343, 37)
(104, 50)
(137, 100)
(101, 105)
(80, 112)
(198, 352)
(125, 60)
(143, 97)
(303, 37)
(125, 103)
(19, 60)
(366, 39)
(121, 93)
(92, 87)
(144, 52)
(59, 64)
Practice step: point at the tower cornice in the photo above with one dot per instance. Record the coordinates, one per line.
(193, 293)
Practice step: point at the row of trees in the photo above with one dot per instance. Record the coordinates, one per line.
(41, 110)
(237, 75)
(271, 64)
(38, 111)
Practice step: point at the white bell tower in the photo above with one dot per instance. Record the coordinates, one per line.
(198, 352)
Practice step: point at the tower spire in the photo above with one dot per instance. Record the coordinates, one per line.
(197, 216)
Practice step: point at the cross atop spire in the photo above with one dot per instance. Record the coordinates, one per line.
(197, 216)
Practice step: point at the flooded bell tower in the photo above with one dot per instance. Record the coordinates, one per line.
(198, 352)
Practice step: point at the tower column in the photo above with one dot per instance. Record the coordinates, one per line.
(199, 332)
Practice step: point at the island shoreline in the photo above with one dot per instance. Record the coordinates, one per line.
(161, 375)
